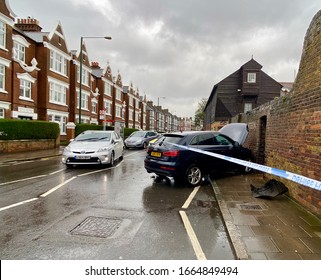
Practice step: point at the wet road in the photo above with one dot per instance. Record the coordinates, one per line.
(50, 212)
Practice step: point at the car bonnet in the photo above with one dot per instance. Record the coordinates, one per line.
(236, 131)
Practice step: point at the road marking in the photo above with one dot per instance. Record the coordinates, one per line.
(190, 198)
(55, 172)
(21, 180)
(57, 187)
(17, 204)
(192, 236)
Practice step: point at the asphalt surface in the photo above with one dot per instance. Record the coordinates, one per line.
(259, 229)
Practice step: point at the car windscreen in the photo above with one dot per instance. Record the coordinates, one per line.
(138, 134)
(94, 136)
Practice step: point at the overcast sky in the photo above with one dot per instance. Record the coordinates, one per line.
(179, 49)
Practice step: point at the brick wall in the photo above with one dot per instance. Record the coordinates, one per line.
(27, 145)
(286, 133)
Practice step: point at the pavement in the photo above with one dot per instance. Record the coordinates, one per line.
(259, 229)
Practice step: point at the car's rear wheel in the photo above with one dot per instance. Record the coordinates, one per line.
(193, 175)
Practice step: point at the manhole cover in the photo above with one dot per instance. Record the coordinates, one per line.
(250, 207)
(97, 227)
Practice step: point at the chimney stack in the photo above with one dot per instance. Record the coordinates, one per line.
(28, 25)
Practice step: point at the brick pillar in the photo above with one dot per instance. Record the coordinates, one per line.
(70, 127)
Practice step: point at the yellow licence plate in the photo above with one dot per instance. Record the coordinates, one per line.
(156, 154)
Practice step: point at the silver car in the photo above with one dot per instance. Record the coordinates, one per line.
(94, 147)
(140, 139)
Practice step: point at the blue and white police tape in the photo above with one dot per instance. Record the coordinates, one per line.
(302, 180)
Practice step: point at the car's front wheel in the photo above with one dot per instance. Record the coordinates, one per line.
(193, 175)
(112, 159)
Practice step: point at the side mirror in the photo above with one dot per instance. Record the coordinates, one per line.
(236, 144)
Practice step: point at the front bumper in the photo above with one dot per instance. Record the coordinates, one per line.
(70, 158)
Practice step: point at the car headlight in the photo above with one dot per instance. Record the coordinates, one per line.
(139, 142)
(103, 149)
(67, 149)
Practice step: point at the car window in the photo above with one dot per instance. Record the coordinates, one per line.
(175, 139)
(221, 140)
(94, 136)
(138, 134)
(203, 140)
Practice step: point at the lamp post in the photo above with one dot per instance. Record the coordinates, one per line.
(159, 98)
(80, 67)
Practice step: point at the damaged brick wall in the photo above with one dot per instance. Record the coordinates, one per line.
(287, 131)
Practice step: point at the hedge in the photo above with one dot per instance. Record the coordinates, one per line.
(13, 129)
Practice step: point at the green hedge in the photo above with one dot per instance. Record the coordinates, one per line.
(12, 129)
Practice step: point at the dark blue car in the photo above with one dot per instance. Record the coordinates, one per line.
(176, 154)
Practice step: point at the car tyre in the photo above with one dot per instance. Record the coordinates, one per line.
(193, 175)
(112, 159)
(145, 145)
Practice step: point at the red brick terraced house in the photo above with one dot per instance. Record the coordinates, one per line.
(40, 80)
(6, 46)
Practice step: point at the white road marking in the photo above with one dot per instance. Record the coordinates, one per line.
(55, 172)
(57, 187)
(190, 198)
(192, 236)
(17, 204)
(21, 180)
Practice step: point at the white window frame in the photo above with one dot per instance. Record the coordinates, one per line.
(2, 78)
(58, 63)
(57, 91)
(118, 111)
(25, 90)
(19, 52)
(248, 107)
(85, 76)
(251, 78)
(94, 107)
(107, 89)
(85, 95)
(61, 119)
(27, 80)
(108, 109)
(3, 35)
(130, 114)
(118, 94)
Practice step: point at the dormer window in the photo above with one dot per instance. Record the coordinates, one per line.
(251, 77)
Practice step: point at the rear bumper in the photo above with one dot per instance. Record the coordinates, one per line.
(168, 169)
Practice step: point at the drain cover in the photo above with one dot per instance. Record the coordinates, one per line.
(250, 207)
(97, 227)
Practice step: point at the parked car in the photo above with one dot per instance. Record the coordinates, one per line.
(140, 139)
(94, 147)
(171, 156)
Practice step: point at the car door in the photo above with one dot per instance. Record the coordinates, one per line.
(209, 142)
(118, 145)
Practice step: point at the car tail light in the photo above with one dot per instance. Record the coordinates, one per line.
(173, 153)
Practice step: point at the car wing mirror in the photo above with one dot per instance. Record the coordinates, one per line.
(237, 144)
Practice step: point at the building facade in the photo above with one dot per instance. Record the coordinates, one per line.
(240, 92)
(40, 80)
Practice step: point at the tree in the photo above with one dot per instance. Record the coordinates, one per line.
(199, 114)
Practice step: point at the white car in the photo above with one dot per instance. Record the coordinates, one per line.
(94, 147)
